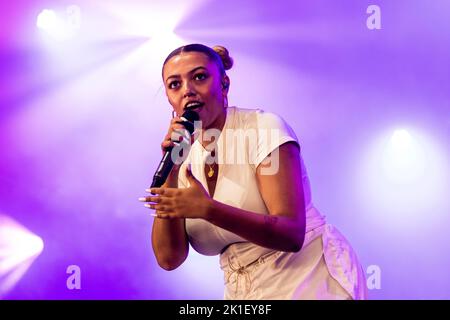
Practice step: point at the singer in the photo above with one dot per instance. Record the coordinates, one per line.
(243, 192)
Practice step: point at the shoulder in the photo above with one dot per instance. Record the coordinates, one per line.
(257, 118)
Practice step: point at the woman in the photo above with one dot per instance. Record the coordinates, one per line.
(243, 192)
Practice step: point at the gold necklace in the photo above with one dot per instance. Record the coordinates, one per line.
(211, 171)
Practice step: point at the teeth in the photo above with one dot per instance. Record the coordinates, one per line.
(193, 104)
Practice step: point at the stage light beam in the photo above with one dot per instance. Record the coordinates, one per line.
(47, 20)
(403, 158)
(401, 139)
(18, 249)
(402, 175)
(55, 25)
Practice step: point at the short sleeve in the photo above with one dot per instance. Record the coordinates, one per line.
(271, 131)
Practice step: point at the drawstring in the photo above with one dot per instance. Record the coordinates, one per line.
(240, 270)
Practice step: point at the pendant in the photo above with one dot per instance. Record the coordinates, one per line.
(210, 172)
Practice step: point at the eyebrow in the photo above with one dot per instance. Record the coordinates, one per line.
(190, 72)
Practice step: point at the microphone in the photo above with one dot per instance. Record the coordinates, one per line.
(166, 164)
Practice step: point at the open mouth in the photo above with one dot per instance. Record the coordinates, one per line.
(193, 105)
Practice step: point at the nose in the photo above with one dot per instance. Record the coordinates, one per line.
(188, 90)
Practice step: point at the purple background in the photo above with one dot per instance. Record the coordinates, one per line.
(81, 121)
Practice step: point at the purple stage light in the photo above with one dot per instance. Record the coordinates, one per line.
(401, 139)
(404, 158)
(60, 25)
(18, 249)
(47, 20)
(403, 174)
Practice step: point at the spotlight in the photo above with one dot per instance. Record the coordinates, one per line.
(403, 158)
(403, 174)
(47, 20)
(19, 247)
(60, 25)
(401, 139)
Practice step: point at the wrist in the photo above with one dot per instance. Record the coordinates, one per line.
(210, 209)
(172, 179)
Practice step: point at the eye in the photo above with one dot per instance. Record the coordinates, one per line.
(173, 84)
(200, 76)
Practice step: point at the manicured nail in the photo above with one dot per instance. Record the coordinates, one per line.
(153, 214)
(148, 190)
(147, 205)
(142, 199)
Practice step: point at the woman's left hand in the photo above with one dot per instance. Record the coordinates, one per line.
(169, 203)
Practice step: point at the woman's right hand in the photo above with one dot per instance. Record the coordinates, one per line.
(176, 132)
(172, 134)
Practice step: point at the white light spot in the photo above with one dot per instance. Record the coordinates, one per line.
(47, 20)
(401, 139)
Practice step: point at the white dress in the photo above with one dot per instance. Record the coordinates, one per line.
(325, 268)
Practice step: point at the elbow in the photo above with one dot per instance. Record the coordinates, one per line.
(170, 258)
(169, 264)
(297, 240)
(295, 245)
(172, 261)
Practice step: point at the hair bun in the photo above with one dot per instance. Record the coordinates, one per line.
(225, 56)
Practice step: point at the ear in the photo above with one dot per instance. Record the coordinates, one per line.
(225, 84)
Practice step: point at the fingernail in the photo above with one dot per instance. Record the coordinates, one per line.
(142, 199)
(147, 190)
(147, 205)
(153, 214)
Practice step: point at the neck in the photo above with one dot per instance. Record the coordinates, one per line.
(217, 124)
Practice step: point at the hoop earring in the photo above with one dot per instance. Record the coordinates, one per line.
(173, 114)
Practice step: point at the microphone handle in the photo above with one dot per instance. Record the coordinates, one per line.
(166, 163)
(164, 168)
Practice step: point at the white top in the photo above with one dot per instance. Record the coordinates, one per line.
(236, 184)
(325, 268)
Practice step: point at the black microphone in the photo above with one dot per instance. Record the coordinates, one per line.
(166, 164)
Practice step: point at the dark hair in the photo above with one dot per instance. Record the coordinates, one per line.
(218, 54)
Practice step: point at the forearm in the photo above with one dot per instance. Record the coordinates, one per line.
(271, 231)
(169, 239)
(170, 243)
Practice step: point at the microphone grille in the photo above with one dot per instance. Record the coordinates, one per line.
(190, 116)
